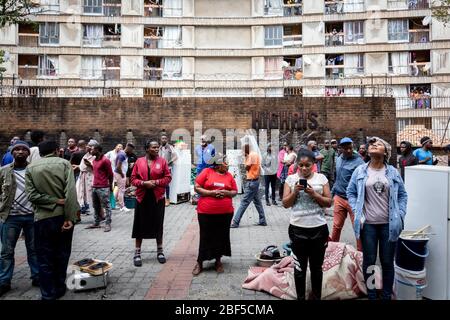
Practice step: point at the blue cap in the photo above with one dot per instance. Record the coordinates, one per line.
(20, 143)
(345, 140)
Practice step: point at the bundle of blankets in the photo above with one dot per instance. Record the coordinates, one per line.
(342, 276)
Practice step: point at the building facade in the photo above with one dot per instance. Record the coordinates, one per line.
(254, 48)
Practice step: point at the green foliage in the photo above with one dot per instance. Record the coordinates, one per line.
(15, 11)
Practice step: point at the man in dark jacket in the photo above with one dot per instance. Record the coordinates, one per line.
(407, 158)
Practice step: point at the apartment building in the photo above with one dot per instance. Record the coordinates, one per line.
(272, 48)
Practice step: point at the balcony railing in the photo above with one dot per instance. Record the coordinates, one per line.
(28, 72)
(292, 41)
(111, 73)
(408, 4)
(28, 39)
(419, 36)
(334, 7)
(271, 11)
(153, 73)
(334, 72)
(105, 41)
(420, 69)
(295, 9)
(47, 72)
(158, 42)
(292, 73)
(336, 39)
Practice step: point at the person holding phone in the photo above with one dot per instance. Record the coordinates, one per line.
(308, 194)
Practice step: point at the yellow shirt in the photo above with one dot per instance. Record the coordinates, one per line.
(254, 161)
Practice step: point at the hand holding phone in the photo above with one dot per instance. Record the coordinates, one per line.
(303, 183)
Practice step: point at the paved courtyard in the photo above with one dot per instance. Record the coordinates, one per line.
(172, 280)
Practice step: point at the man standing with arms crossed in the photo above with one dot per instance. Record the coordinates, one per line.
(50, 186)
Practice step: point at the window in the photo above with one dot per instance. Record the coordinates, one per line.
(273, 36)
(93, 6)
(354, 32)
(273, 67)
(48, 65)
(92, 35)
(49, 33)
(398, 30)
(398, 62)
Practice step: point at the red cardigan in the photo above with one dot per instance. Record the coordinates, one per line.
(159, 171)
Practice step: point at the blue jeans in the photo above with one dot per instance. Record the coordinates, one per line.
(250, 194)
(53, 248)
(9, 234)
(372, 237)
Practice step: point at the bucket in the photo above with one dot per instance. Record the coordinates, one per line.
(411, 252)
(130, 202)
(409, 285)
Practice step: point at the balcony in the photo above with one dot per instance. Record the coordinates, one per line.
(28, 72)
(47, 72)
(292, 73)
(153, 74)
(28, 39)
(408, 4)
(334, 72)
(419, 35)
(111, 41)
(293, 9)
(292, 41)
(334, 39)
(334, 7)
(112, 73)
(420, 69)
(112, 9)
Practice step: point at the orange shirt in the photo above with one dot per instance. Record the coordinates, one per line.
(254, 161)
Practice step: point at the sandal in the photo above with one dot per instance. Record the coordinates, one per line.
(161, 258)
(219, 267)
(197, 269)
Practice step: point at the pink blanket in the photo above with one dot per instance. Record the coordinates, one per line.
(342, 276)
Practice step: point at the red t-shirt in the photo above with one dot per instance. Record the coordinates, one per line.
(102, 172)
(211, 180)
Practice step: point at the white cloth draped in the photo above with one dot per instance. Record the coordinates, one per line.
(91, 67)
(172, 67)
(171, 37)
(93, 35)
(399, 61)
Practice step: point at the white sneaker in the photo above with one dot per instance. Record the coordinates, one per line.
(125, 210)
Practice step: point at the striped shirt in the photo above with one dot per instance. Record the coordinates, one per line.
(21, 205)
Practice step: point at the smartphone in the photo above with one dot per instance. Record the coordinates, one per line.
(303, 182)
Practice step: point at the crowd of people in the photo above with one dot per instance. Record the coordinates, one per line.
(45, 190)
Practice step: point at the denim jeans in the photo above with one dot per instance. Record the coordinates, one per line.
(100, 198)
(372, 237)
(270, 180)
(250, 194)
(53, 248)
(9, 234)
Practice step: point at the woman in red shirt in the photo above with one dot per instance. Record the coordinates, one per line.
(150, 176)
(216, 187)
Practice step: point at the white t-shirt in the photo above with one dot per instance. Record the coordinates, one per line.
(290, 157)
(34, 154)
(306, 212)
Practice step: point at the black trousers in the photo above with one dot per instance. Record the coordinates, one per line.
(53, 248)
(308, 245)
(270, 180)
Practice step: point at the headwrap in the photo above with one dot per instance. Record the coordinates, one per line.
(387, 146)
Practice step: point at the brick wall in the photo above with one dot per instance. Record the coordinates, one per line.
(146, 117)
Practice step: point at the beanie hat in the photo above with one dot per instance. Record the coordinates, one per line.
(20, 143)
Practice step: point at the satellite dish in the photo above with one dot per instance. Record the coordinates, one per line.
(426, 21)
(307, 60)
(7, 56)
(285, 64)
(321, 27)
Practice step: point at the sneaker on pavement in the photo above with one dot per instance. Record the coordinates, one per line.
(274, 203)
(233, 225)
(267, 203)
(261, 224)
(137, 260)
(107, 228)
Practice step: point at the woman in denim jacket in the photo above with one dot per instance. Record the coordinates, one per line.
(378, 198)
